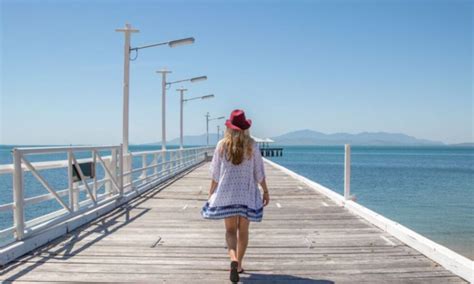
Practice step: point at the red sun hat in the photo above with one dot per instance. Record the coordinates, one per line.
(238, 121)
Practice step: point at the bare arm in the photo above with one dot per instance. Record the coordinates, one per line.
(266, 194)
(263, 184)
(212, 188)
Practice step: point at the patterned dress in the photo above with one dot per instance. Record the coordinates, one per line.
(237, 191)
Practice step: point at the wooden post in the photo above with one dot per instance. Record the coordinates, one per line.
(18, 196)
(155, 163)
(75, 196)
(144, 174)
(163, 163)
(94, 162)
(112, 166)
(70, 181)
(347, 172)
(127, 162)
(121, 170)
(171, 163)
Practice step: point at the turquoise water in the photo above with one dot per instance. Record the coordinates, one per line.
(427, 189)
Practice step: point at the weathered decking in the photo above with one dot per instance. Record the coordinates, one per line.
(161, 237)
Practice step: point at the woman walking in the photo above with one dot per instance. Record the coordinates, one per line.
(236, 170)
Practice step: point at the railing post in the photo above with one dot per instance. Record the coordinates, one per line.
(121, 170)
(70, 181)
(94, 162)
(127, 163)
(73, 186)
(347, 172)
(163, 163)
(155, 163)
(144, 175)
(112, 166)
(177, 160)
(18, 196)
(168, 163)
(75, 190)
(171, 163)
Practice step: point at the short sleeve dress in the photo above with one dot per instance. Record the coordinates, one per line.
(237, 191)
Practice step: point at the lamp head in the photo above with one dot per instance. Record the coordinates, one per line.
(198, 79)
(179, 42)
(207, 97)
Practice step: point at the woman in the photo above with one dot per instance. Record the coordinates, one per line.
(236, 170)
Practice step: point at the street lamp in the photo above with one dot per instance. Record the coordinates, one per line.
(182, 100)
(128, 30)
(164, 86)
(179, 42)
(207, 125)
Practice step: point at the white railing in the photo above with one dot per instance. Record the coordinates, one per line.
(116, 176)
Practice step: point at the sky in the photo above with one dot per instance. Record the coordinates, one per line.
(331, 66)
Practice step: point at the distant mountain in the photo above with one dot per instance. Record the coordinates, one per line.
(311, 137)
(467, 144)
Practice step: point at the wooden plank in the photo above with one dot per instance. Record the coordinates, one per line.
(161, 237)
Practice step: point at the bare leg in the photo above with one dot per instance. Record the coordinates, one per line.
(243, 239)
(231, 236)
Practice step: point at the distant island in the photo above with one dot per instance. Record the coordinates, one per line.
(463, 144)
(311, 137)
(308, 137)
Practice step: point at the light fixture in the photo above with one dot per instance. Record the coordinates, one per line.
(207, 97)
(179, 42)
(198, 79)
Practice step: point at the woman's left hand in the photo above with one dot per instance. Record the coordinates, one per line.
(212, 189)
(266, 198)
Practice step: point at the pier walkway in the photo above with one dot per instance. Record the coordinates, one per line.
(160, 237)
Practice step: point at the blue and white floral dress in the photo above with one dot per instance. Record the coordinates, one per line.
(237, 191)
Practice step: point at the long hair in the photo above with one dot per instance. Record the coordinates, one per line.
(237, 145)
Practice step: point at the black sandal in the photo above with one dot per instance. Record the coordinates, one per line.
(234, 274)
(241, 271)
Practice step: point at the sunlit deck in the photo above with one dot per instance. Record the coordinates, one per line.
(160, 237)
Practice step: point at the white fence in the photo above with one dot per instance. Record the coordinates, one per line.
(116, 177)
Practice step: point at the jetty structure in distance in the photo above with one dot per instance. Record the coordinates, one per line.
(134, 216)
(265, 149)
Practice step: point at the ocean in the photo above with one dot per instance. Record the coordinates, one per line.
(427, 189)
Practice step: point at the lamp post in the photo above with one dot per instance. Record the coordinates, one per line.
(128, 30)
(218, 133)
(182, 100)
(207, 125)
(164, 86)
(126, 78)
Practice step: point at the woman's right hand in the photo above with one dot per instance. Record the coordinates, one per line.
(266, 198)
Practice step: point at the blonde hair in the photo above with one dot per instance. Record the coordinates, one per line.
(236, 145)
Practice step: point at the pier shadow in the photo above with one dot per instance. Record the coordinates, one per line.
(280, 278)
(66, 247)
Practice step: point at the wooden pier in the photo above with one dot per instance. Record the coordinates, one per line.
(160, 237)
(271, 152)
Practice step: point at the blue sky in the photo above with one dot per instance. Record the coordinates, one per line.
(331, 66)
